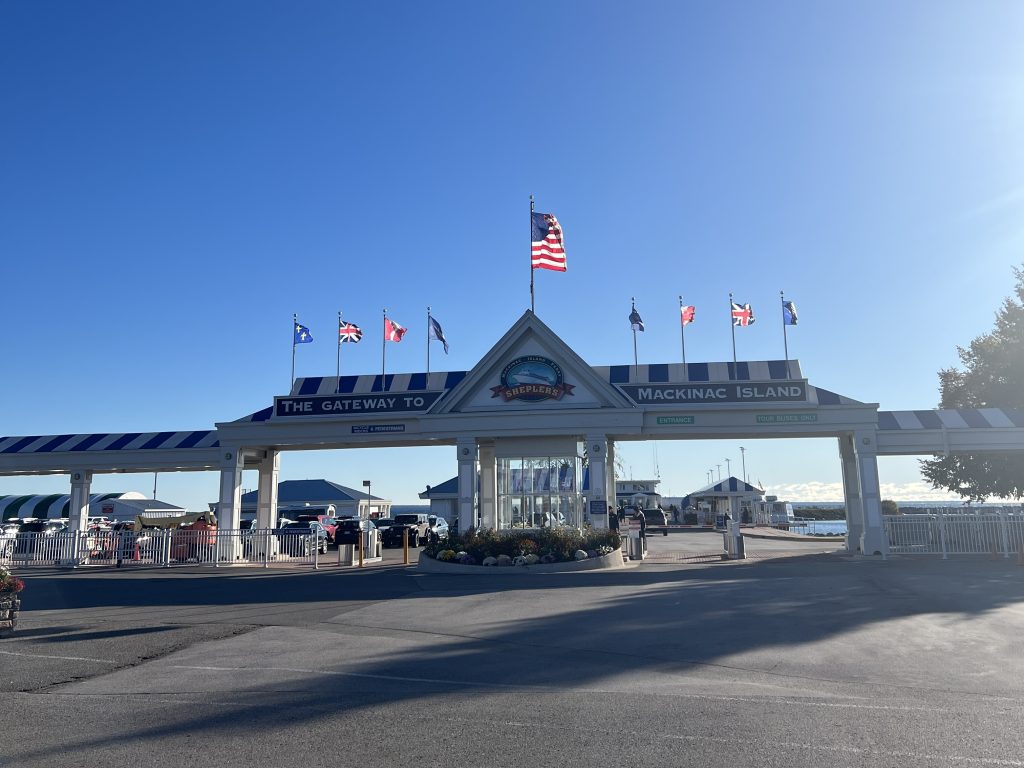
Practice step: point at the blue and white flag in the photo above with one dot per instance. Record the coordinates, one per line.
(435, 332)
(788, 313)
(302, 335)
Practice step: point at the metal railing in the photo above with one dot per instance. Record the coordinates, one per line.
(987, 533)
(164, 548)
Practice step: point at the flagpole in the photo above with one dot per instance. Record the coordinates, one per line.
(531, 254)
(632, 300)
(295, 322)
(339, 343)
(682, 330)
(733, 326)
(428, 342)
(383, 350)
(785, 340)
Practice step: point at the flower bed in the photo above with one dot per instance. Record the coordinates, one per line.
(10, 605)
(546, 549)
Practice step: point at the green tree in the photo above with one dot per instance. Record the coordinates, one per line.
(890, 507)
(992, 377)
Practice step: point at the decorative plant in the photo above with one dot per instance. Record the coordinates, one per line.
(9, 583)
(547, 545)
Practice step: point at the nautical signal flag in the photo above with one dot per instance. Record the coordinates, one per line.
(788, 313)
(686, 314)
(547, 245)
(392, 330)
(349, 332)
(435, 332)
(742, 314)
(635, 321)
(302, 335)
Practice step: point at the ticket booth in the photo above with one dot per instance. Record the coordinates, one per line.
(539, 484)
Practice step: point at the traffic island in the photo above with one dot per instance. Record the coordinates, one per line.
(603, 562)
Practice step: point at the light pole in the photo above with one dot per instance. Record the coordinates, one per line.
(728, 470)
(366, 485)
(743, 456)
(719, 472)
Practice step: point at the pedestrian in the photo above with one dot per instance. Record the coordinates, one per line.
(639, 515)
(120, 544)
(613, 519)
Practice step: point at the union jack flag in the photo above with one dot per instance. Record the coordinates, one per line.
(742, 314)
(350, 332)
(547, 246)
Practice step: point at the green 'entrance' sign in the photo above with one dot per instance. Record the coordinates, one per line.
(675, 419)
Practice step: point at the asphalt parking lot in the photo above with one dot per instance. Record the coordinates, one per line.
(800, 657)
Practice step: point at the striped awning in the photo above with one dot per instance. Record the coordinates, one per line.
(962, 418)
(109, 441)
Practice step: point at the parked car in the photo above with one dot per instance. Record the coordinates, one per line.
(383, 523)
(418, 525)
(329, 523)
(438, 527)
(349, 530)
(302, 537)
(194, 541)
(30, 534)
(8, 534)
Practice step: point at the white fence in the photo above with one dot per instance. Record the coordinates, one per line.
(164, 548)
(944, 533)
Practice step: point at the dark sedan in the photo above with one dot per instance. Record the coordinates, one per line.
(349, 528)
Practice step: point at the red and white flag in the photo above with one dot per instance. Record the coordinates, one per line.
(686, 314)
(392, 330)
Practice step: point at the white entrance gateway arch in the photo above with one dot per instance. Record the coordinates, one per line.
(531, 399)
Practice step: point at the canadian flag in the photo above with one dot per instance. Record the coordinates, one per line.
(392, 330)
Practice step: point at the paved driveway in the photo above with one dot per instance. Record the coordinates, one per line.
(819, 660)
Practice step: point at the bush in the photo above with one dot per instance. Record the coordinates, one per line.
(10, 583)
(549, 545)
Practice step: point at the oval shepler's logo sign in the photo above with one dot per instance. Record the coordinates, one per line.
(532, 378)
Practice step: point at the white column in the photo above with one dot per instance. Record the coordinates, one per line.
(488, 486)
(597, 495)
(465, 448)
(229, 509)
(873, 540)
(851, 494)
(609, 467)
(266, 494)
(78, 508)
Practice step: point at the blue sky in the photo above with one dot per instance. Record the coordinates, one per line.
(179, 178)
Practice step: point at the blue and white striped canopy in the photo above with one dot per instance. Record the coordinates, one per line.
(110, 441)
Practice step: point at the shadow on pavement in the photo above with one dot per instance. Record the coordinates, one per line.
(651, 621)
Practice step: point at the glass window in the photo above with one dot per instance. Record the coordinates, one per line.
(537, 492)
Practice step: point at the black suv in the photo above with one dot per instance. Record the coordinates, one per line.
(656, 518)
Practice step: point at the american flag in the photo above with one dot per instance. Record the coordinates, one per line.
(742, 314)
(392, 330)
(350, 332)
(548, 248)
(687, 313)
